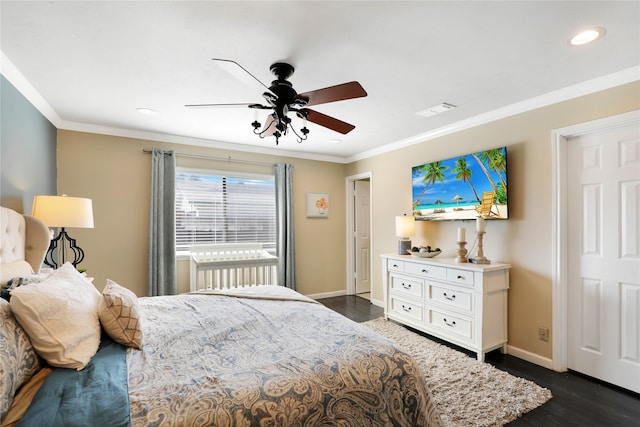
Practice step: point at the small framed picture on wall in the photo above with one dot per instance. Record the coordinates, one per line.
(317, 205)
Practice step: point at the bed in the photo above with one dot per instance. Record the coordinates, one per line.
(258, 356)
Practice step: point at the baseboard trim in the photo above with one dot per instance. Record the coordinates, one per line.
(530, 357)
(377, 303)
(327, 294)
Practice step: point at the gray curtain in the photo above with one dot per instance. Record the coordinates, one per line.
(161, 277)
(284, 230)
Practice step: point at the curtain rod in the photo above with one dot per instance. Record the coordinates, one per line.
(224, 159)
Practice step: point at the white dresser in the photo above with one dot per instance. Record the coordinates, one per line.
(464, 304)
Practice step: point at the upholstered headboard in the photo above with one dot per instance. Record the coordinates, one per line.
(22, 238)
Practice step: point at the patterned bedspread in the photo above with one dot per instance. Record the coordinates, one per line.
(214, 360)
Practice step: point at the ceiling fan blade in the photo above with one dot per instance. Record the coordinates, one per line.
(334, 93)
(328, 122)
(239, 72)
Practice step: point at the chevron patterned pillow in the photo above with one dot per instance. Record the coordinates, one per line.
(120, 315)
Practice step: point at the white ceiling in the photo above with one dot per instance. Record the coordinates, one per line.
(88, 65)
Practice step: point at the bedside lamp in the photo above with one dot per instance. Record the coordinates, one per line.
(63, 212)
(405, 228)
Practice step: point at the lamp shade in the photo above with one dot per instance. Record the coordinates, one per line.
(405, 226)
(63, 211)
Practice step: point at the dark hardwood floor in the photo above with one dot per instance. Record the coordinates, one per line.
(577, 400)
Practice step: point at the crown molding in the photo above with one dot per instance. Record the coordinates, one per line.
(574, 91)
(198, 142)
(13, 75)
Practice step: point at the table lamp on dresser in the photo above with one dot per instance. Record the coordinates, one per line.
(405, 228)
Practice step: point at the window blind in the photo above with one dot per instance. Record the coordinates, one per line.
(220, 207)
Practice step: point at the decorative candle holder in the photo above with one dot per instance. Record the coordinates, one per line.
(461, 252)
(481, 259)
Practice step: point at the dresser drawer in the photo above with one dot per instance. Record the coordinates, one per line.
(451, 297)
(425, 270)
(407, 286)
(408, 310)
(395, 265)
(455, 326)
(460, 277)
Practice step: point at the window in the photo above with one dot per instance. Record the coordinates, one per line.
(224, 207)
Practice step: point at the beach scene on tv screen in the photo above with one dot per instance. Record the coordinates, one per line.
(464, 187)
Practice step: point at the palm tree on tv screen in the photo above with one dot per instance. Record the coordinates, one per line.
(433, 172)
(463, 173)
(496, 161)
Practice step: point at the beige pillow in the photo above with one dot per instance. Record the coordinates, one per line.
(120, 315)
(60, 315)
(9, 270)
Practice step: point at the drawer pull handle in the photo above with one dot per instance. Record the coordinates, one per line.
(395, 265)
(461, 277)
(450, 298)
(452, 324)
(405, 308)
(406, 286)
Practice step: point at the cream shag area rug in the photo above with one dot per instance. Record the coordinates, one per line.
(467, 392)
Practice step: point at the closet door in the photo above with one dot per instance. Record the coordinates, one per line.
(604, 256)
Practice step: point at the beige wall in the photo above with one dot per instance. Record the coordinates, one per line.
(525, 239)
(115, 174)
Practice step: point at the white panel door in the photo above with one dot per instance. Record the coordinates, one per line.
(603, 259)
(362, 229)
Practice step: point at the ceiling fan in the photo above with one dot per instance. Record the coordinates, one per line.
(283, 99)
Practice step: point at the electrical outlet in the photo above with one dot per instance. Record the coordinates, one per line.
(543, 334)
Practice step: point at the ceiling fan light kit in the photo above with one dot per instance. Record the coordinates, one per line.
(283, 99)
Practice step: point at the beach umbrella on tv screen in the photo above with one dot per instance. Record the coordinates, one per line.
(457, 198)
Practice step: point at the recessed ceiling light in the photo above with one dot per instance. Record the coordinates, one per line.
(146, 111)
(587, 36)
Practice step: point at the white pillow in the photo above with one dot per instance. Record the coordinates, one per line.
(120, 315)
(60, 315)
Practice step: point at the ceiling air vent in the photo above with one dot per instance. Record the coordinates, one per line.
(436, 109)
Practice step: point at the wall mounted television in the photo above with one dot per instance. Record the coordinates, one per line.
(453, 189)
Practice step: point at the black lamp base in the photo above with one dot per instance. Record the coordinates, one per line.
(54, 262)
